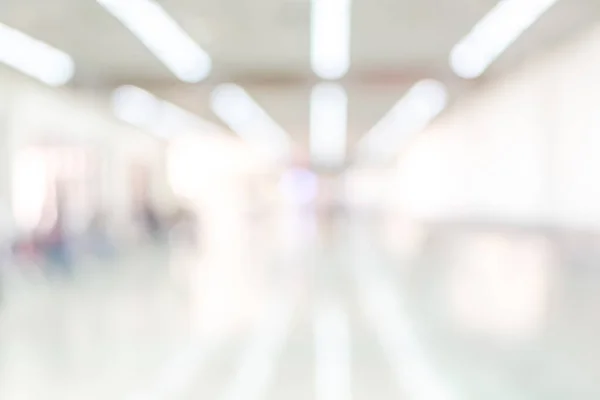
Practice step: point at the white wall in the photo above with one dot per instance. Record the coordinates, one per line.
(6, 225)
(37, 115)
(523, 149)
(575, 131)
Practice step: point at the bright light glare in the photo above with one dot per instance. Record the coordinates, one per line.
(197, 166)
(494, 34)
(245, 117)
(135, 106)
(144, 110)
(328, 124)
(330, 38)
(423, 102)
(30, 185)
(35, 58)
(163, 36)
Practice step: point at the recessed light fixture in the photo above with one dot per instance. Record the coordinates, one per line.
(493, 34)
(330, 37)
(411, 114)
(234, 106)
(34, 57)
(163, 36)
(146, 111)
(328, 124)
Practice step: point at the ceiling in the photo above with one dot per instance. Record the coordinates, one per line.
(264, 46)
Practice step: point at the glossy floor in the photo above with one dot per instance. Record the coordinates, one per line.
(351, 310)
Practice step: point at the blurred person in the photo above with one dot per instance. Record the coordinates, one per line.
(56, 246)
(26, 249)
(183, 246)
(333, 211)
(184, 227)
(6, 239)
(99, 241)
(53, 242)
(150, 220)
(7, 236)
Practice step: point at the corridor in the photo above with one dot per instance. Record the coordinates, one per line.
(299, 200)
(469, 315)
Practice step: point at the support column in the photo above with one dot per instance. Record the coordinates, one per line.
(7, 225)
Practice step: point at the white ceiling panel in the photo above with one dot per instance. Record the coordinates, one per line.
(264, 46)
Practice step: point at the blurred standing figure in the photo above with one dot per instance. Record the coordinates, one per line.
(100, 242)
(7, 236)
(6, 240)
(184, 227)
(150, 220)
(56, 244)
(145, 211)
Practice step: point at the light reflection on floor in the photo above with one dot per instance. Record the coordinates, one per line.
(304, 310)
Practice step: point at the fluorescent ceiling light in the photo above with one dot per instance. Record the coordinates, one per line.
(421, 104)
(146, 111)
(35, 58)
(245, 117)
(161, 34)
(135, 106)
(328, 124)
(494, 34)
(330, 38)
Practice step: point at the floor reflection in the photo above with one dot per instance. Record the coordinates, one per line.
(311, 307)
(499, 285)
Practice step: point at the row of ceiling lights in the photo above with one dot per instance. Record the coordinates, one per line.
(330, 60)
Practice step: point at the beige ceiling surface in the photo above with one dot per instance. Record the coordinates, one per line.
(264, 45)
